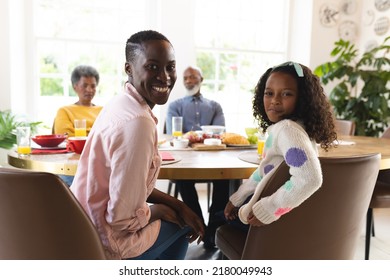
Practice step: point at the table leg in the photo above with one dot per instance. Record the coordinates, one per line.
(233, 185)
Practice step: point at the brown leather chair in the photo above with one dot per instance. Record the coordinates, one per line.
(386, 134)
(380, 199)
(40, 219)
(345, 127)
(326, 226)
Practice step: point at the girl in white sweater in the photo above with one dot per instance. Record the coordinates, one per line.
(289, 104)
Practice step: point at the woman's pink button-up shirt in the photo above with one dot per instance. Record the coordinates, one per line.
(117, 172)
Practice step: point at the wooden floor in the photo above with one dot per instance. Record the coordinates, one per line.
(379, 249)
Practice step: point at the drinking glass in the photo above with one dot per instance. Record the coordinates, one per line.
(260, 144)
(23, 140)
(80, 128)
(177, 127)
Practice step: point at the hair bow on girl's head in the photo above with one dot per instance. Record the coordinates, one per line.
(297, 67)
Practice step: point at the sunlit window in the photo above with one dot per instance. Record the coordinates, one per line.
(236, 41)
(73, 32)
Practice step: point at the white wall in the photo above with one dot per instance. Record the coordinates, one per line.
(367, 28)
(300, 31)
(179, 29)
(19, 70)
(323, 38)
(5, 87)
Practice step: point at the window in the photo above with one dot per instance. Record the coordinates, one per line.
(236, 41)
(73, 32)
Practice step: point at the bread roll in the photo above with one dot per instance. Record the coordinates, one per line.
(234, 139)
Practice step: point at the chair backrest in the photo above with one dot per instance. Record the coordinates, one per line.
(381, 195)
(40, 219)
(386, 133)
(327, 225)
(345, 127)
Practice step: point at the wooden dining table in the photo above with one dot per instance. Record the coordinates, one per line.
(188, 163)
(361, 145)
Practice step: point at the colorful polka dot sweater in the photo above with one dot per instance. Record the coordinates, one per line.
(287, 141)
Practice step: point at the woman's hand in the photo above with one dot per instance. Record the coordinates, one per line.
(183, 217)
(164, 212)
(194, 222)
(178, 213)
(253, 221)
(231, 211)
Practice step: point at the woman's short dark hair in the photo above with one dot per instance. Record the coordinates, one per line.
(134, 43)
(84, 71)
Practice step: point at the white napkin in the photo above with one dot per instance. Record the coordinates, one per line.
(344, 143)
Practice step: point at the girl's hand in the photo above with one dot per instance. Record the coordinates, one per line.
(253, 221)
(231, 211)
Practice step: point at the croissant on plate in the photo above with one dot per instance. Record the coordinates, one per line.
(234, 139)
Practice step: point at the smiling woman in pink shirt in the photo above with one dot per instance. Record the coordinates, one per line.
(118, 169)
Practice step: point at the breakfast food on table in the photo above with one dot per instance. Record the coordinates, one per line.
(198, 136)
(230, 138)
(193, 137)
(252, 134)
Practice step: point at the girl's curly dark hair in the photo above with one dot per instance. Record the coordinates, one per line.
(312, 109)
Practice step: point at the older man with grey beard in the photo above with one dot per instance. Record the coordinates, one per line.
(196, 111)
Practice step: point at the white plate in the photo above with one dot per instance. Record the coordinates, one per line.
(166, 162)
(250, 146)
(212, 141)
(59, 147)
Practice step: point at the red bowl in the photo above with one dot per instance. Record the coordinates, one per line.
(52, 140)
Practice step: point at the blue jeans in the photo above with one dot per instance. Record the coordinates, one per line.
(171, 244)
(67, 179)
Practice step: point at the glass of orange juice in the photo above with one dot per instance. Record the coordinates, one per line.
(260, 144)
(80, 128)
(23, 140)
(177, 127)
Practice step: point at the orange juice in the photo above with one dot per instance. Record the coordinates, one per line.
(177, 134)
(24, 150)
(260, 147)
(80, 132)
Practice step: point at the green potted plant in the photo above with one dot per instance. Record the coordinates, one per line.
(361, 92)
(8, 123)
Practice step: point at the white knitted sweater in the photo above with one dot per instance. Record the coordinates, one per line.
(287, 141)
